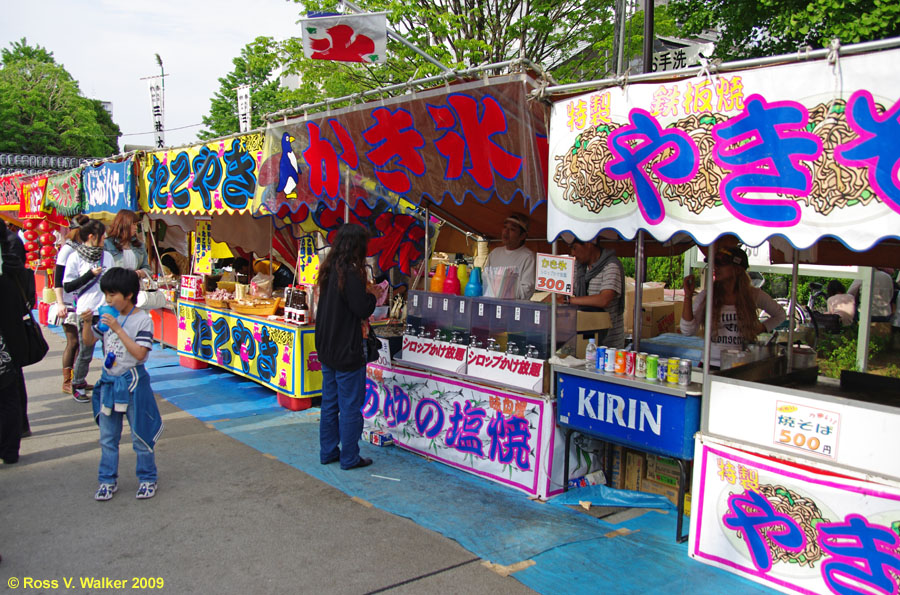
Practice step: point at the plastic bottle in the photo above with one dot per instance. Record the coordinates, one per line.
(462, 273)
(451, 282)
(437, 282)
(110, 360)
(473, 287)
(590, 354)
(107, 309)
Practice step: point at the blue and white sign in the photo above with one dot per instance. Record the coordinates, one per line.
(109, 187)
(641, 418)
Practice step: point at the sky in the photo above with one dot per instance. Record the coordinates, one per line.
(108, 46)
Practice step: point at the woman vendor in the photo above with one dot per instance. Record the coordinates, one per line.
(735, 320)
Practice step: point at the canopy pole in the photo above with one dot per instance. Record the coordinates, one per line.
(648, 36)
(638, 292)
(554, 250)
(795, 266)
(707, 331)
(865, 319)
(426, 263)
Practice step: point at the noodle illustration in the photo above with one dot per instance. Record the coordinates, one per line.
(580, 172)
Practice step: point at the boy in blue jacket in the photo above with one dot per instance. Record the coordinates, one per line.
(124, 388)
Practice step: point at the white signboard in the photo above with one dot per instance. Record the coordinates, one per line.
(512, 370)
(808, 429)
(681, 57)
(555, 274)
(791, 528)
(157, 106)
(243, 105)
(434, 354)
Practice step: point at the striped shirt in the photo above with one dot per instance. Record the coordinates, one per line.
(610, 278)
(139, 326)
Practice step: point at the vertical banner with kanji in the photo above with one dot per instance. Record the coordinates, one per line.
(793, 529)
(243, 105)
(202, 247)
(157, 106)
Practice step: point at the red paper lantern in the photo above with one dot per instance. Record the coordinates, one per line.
(32, 247)
(30, 224)
(47, 264)
(30, 256)
(45, 225)
(48, 251)
(31, 235)
(48, 239)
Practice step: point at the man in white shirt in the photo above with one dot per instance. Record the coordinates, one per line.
(513, 253)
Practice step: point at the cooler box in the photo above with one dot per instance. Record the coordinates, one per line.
(675, 345)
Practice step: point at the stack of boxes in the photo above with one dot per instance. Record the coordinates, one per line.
(654, 474)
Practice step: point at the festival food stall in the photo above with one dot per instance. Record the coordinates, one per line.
(794, 485)
(453, 388)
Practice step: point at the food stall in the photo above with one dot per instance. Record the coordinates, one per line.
(793, 483)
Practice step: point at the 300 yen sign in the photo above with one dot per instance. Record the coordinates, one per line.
(559, 285)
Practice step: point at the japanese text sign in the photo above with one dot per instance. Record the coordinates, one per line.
(63, 194)
(157, 107)
(756, 153)
(109, 187)
(809, 429)
(555, 274)
(243, 105)
(791, 528)
(202, 247)
(216, 177)
(435, 354)
(512, 370)
(9, 192)
(33, 189)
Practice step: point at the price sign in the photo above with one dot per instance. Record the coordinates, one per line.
(555, 273)
(805, 428)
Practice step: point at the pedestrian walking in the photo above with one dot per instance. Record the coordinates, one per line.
(65, 302)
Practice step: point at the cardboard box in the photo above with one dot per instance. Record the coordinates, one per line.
(658, 466)
(678, 302)
(670, 492)
(659, 318)
(652, 292)
(617, 475)
(635, 464)
(378, 437)
(589, 324)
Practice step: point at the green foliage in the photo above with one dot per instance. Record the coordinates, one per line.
(771, 27)
(667, 269)
(42, 110)
(838, 352)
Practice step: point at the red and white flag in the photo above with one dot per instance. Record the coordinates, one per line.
(346, 38)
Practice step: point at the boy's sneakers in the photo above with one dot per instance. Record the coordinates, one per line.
(146, 490)
(80, 395)
(105, 492)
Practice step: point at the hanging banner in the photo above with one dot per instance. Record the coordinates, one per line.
(157, 107)
(32, 194)
(274, 354)
(243, 107)
(9, 192)
(346, 38)
(802, 150)
(215, 177)
(499, 435)
(109, 187)
(202, 247)
(63, 194)
(793, 529)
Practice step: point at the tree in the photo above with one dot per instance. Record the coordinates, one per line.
(42, 110)
(772, 27)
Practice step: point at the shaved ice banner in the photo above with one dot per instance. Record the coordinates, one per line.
(802, 150)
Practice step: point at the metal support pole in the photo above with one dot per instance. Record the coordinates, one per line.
(620, 37)
(865, 319)
(638, 291)
(648, 36)
(795, 266)
(553, 311)
(707, 331)
(427, 251)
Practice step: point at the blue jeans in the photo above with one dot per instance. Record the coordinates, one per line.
(84, 357)
(341, 422)
(110, 434)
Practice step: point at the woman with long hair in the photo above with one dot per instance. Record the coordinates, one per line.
(736, 302)
(346, 300)
(124, 245)
(65, 304)
(82, 279)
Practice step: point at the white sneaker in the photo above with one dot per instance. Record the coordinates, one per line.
(105, 491)
(146, 490)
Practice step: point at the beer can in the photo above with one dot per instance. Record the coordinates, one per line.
(640, 365)
(601, 357)
(662, 369)
(672, 370)
(629, 363)
(684, 372)
(610, 360)
(652, 367)
(620, 361)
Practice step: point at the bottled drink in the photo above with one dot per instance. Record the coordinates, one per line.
(473, 287)
(110, 360)
(590, 354)
(451, 282)
(437, 282)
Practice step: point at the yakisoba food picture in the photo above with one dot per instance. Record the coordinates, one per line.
(580, 172)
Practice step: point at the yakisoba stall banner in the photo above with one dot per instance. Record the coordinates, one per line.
(802, 150)
(792, 529)
(215, 177)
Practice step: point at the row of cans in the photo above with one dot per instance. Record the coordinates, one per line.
(644, 365)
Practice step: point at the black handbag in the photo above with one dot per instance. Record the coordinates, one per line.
(372, 345)
(34, 345)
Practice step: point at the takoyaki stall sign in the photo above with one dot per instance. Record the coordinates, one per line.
(802, 150)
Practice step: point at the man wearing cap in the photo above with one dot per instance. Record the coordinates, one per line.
(513, 253)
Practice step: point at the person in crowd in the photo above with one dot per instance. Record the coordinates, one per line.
(513, 253)
(735, 304)
(124, 245)
(65, 303)
(600, 287)
(17, 297)
(82, 279)
(840, 302)
(883, 292)
(345, 303)
(124, 390)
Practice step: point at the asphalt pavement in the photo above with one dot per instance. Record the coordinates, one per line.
(227, 518)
